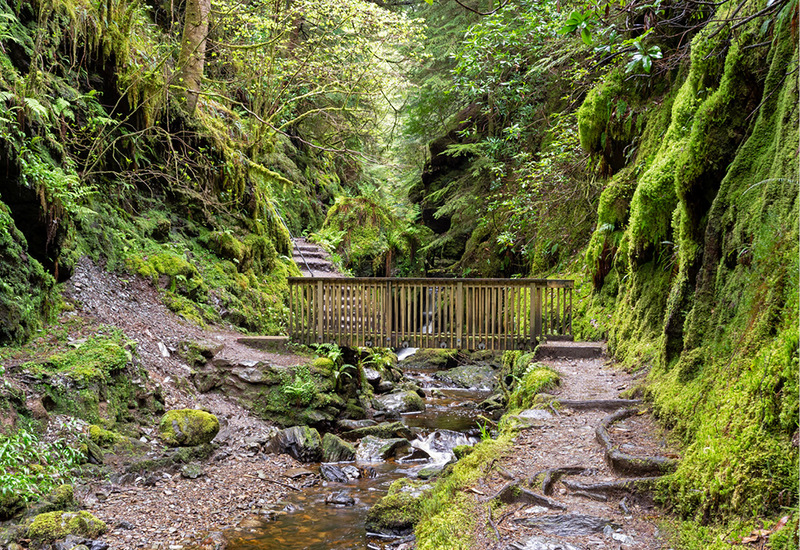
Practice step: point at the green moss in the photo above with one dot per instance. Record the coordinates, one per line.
(448, 513)
(187, 427)
(93, 361)
(322, 364)
(52, 526)
(397, 512)
(535, 379)
(25, 288)
(595, 113)
(103, 438)
(226, 246)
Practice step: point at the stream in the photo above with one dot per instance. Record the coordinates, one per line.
(305, 521)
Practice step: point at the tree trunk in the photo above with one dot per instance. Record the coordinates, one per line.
(193, 50)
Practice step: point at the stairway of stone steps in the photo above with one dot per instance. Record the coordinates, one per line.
(312, 259)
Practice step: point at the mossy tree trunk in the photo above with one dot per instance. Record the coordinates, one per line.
(193, 50)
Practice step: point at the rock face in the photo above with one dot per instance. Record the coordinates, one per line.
(57, 525)
(375, 449)
(187, 427)
(384, 430)
(400, 402)
(335, 449)
(302, 442)
(478, 377)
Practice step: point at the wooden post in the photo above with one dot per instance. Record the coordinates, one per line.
(459, 314)
(536, 313)
(319, 311)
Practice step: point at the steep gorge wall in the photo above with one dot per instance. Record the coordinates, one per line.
(697, 247)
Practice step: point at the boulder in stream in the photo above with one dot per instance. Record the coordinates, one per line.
(476, 377)
(334, 473)
(397, 512)
(400, 402)
(335, 449)
(340, 498)
(350, 424)
(301, 442)
(375, 449)
(384, 430)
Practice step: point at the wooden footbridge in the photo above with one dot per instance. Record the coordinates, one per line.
(494, 314)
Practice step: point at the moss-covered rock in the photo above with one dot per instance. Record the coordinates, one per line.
(187, 427)
(536, 379)
(102, 437)
(301, 442)
(399, 511)
(336, 449)
(433, 359)
(56, 525)
(11, 505)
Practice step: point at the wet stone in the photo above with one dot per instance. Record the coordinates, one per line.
(348, 424)
(342, 498)
(567, 525)
(374, 449)
(542, 543)
(334, 473)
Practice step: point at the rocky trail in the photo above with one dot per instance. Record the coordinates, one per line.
(581, 468)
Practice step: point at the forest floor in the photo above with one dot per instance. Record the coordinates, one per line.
(240, 482)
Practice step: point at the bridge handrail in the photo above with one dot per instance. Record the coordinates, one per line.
(429, 312)
(550, 283)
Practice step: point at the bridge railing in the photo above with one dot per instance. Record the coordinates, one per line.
(495, 314)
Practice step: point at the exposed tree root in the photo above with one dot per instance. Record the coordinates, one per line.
(512, 493)
(552, 475)
(592, 496)
(627, 464)
(629, 485)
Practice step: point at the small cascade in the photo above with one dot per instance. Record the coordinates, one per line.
(307, 520)
(440, 444)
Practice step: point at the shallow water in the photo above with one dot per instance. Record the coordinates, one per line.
(305, 522)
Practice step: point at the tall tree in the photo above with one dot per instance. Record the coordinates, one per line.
(193, 50)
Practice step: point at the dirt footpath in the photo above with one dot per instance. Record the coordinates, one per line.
(559, 489)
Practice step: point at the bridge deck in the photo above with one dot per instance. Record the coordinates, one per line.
(495, 314)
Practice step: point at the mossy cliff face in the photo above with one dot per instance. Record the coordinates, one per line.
(100, 381)
(24, 285)
(699, 235)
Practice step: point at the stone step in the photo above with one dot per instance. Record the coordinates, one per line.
(310, 254)
(315, 264)
(570, 350)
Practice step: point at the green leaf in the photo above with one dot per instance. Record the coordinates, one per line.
(586, 36)
(647, 63)
(36, 107)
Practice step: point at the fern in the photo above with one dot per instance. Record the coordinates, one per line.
(35, 107)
